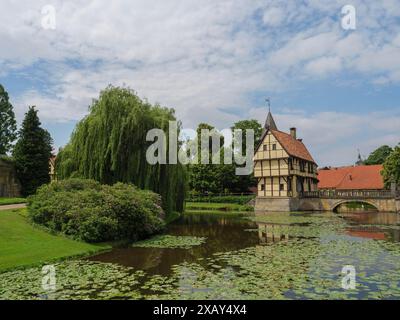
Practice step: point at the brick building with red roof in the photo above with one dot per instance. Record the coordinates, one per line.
(351, 178)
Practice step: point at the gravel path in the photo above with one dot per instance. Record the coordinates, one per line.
(12, 206)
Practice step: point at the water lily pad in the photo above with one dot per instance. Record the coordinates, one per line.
(168, 241)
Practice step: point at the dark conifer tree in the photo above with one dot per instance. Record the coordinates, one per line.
(32, 153)
(8, 125)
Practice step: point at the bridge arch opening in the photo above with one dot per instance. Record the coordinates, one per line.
(354, 206)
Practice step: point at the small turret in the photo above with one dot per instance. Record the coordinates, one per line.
(269, 123)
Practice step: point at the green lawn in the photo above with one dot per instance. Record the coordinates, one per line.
(4, 201)
(209, 206)
(22, 244)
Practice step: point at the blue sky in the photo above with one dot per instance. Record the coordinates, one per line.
(215, 62)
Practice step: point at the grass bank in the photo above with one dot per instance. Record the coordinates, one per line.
(238, 199)
(197, 206)
(23, 244)
(221, 214)
(6, 201)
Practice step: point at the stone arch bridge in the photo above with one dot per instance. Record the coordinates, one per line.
(329, 200)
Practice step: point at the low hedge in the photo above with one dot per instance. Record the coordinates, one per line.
(238, 199)
(8, 201)
(89, 211)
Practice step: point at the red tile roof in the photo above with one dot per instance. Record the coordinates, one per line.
(292, 146)
(351, 178)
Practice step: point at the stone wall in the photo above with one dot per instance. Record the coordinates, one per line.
(9, 184)
(268, 204)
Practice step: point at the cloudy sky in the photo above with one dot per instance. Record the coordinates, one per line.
(214, 61)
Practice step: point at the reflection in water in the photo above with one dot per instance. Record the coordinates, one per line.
(231, 233)
(223, 233)
(271, 232)
(369, 234)
(373, 225)
(377, 218)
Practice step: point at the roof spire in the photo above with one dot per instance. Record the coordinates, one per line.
(269, 123)
(360, 161)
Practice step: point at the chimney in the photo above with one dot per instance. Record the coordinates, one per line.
(293, 133)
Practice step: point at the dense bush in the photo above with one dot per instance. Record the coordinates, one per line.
(89, 211)
(238, 199)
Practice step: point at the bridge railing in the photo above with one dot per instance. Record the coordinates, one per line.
(349, 194)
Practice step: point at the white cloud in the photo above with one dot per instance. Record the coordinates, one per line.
(302, 48)
(61, 110)
(273, 16)
(201, 57)
(324, 65)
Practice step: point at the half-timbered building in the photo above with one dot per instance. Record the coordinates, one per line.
(283, 167)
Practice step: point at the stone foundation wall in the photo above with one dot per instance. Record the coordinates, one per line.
(9, 184)
(268, 204)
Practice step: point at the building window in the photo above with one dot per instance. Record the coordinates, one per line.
(302, 166)
(262, 187)
(265, 147)
(274, 146)
(282, 187)
(289, 184)
(290, 164)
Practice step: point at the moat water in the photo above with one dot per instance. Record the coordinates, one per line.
(276, 256)
(308, 250)
(229, 232)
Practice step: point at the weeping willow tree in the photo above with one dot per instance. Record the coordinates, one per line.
(109, 145)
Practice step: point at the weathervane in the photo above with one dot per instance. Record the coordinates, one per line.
(268, 100)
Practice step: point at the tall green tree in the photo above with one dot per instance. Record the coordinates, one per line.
(110, 146)
(243, 183)
(32, 153)
(8, 125)
(205, 177)
(379, 155)
(249, 124)
(220, 178)
(391, 167)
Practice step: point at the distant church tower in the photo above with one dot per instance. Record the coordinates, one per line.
(284, 169)
(359, 161)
